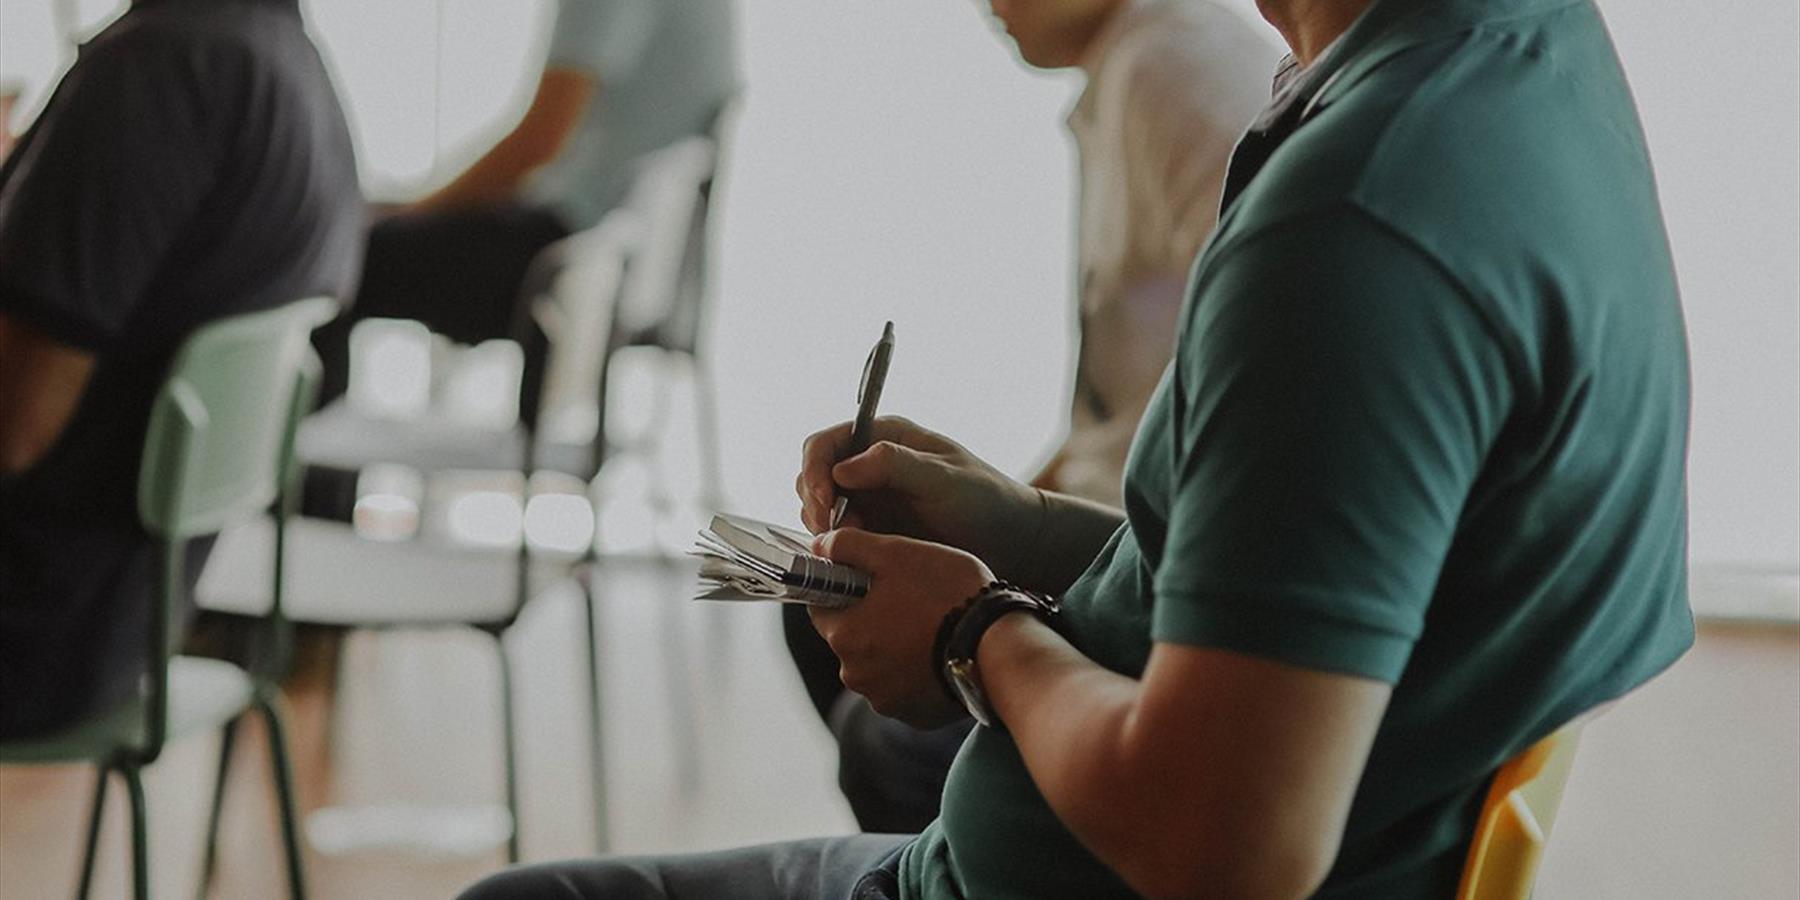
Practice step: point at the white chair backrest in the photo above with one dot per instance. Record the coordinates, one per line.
(617, 279)
(666, 197)
(213, 448)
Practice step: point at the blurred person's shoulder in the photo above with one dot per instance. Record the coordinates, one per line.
(1197, 46)
(202, 40)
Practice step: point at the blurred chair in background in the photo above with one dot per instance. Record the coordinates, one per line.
(218, 441)
(637, 279)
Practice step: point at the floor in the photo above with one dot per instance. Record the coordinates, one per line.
(1690, 788)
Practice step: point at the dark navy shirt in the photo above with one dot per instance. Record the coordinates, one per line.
(193, 164)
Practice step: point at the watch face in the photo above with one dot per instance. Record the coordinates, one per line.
(968, 687)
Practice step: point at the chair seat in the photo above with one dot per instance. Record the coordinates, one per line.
(342, 438)
(203, 694)
(335, 577)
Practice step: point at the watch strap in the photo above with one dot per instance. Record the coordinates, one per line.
(959, 637)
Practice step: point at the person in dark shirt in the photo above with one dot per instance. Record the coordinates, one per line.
(193, 164)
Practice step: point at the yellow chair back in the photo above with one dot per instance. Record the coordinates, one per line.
(1515, 819)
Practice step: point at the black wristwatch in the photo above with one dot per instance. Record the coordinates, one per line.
(960, 635)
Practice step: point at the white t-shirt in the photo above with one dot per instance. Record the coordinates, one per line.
(1171, 86)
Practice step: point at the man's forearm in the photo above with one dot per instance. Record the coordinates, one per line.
(1071, 720)
(1068, 533)
(1213, 774)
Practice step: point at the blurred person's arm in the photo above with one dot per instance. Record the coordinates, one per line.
(9, 101)
(41, 383)
(556, 111)
(1046, 477)
(592, 43)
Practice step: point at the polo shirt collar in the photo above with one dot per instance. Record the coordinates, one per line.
(1386, 29)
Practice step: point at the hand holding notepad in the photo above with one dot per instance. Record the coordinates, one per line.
(744, 559)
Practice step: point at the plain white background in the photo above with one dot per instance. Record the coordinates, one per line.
(893, 160)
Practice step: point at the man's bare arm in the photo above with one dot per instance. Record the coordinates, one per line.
(1073, 532)
(557, 108)
(41, 383)
(1217, 774)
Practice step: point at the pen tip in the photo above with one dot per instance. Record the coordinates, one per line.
(887, 333)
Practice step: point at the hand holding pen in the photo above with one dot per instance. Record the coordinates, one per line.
(868, 397)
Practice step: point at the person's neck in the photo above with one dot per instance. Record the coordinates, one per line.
(1309, 26)
(1088, 57)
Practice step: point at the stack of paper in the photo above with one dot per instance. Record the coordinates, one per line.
(743, 559)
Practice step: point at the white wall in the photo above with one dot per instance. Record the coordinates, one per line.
(1720, 97)
(892, 162)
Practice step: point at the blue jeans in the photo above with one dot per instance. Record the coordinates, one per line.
(859, 867)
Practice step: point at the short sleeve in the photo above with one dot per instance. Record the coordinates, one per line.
(99, 189)
(1338, 394)
(606, 38)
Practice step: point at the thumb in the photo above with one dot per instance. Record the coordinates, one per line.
(865, 550)
(884, 466)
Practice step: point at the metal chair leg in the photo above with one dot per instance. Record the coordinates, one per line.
(209, 865)
(140, 832)
(268, 702)
(93, 833)
(508, 741)
(596, 745)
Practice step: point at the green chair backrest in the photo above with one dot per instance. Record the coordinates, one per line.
(214, 444)
(218, 451)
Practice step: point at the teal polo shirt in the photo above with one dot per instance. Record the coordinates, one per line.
(1426, 423)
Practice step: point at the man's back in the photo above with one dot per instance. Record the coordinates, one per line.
(193, 164)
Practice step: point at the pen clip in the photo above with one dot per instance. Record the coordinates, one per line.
(862, 385)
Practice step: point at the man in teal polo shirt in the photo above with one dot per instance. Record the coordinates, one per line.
(1409, 498)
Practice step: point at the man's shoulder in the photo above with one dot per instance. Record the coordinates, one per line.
(1473, 145)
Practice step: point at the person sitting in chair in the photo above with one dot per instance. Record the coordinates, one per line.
(193, 164)
(1410, 497)
(623, 79)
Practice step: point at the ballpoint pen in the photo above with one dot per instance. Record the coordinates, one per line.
(868, 396)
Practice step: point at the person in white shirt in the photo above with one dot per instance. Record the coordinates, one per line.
(1171, 85)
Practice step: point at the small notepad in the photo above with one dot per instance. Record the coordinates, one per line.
(744, 559)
